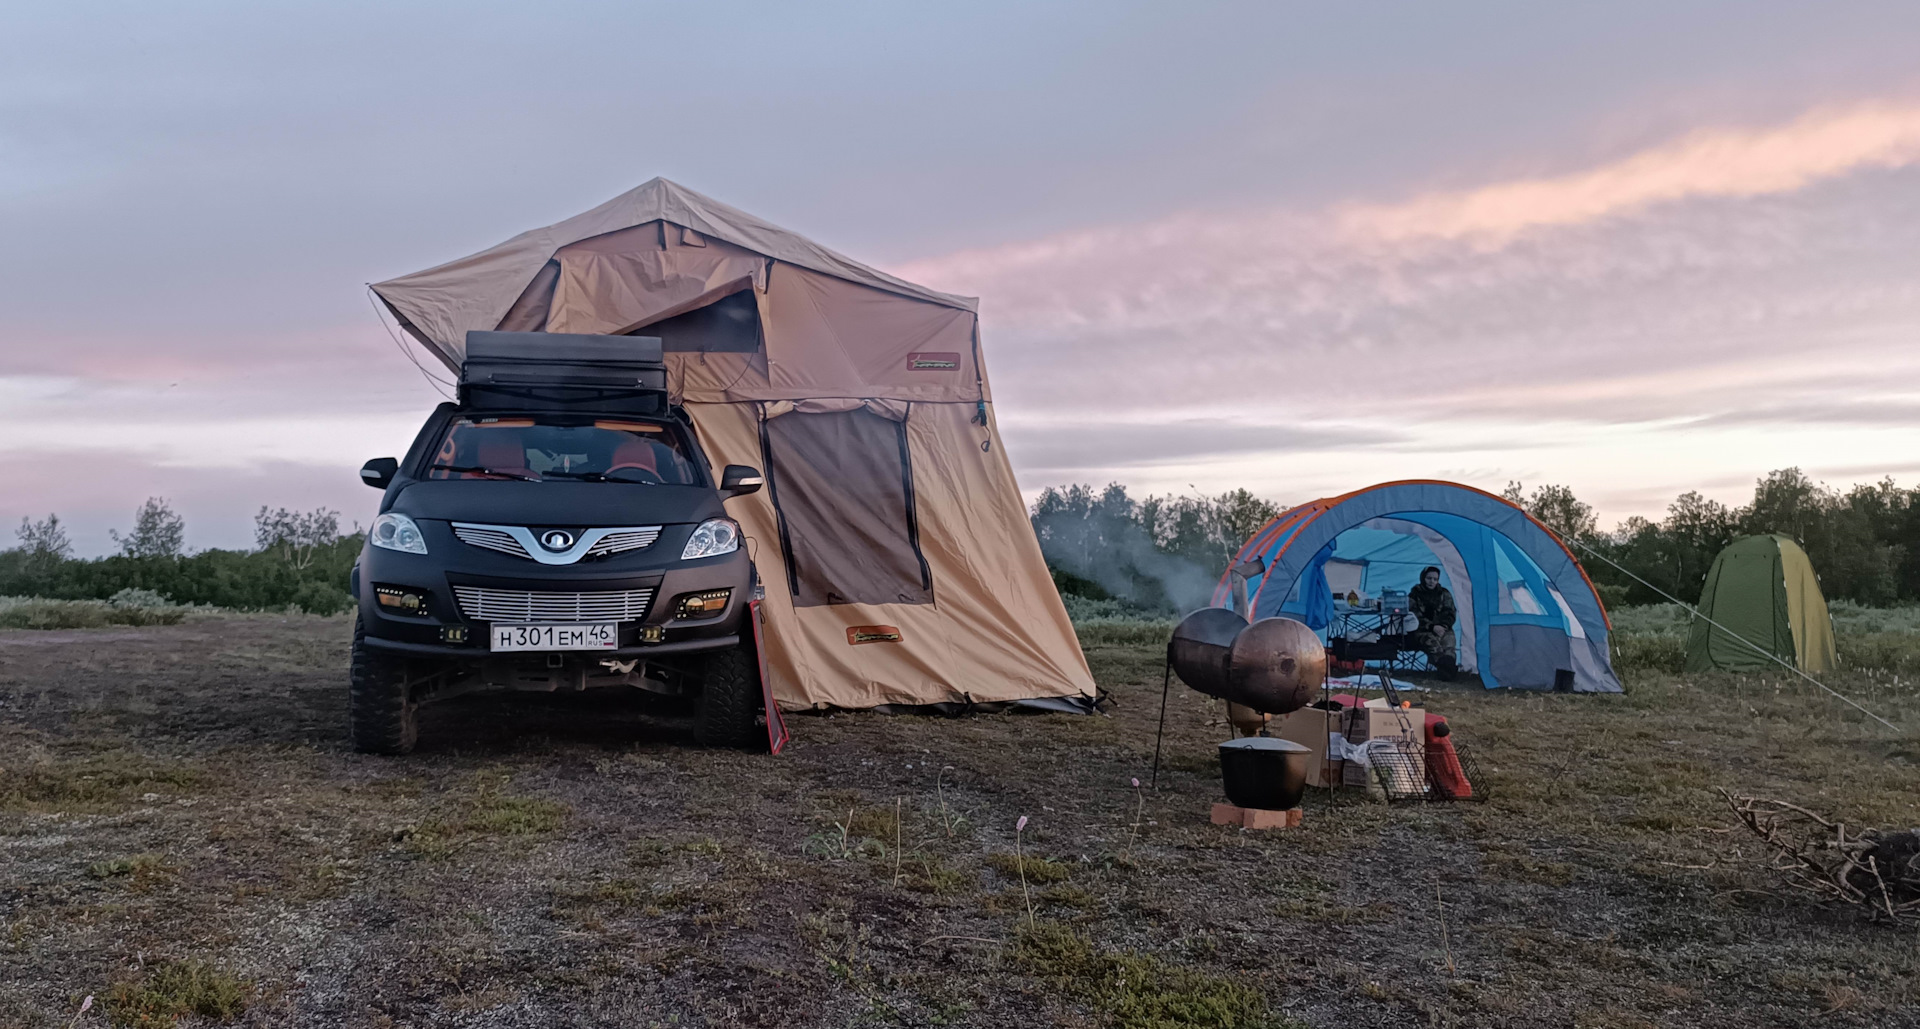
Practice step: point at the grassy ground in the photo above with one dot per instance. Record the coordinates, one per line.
(184, 836)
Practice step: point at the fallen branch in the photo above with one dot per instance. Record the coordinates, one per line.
(1875, 871)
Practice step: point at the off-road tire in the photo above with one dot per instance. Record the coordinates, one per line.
(381, 717)
(730, 700)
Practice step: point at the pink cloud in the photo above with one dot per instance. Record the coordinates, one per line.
(1706, 163)
(1701, 311)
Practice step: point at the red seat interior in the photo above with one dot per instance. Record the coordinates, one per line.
(502, 452)
(636, 453)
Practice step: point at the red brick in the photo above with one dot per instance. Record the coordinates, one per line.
(1253, 818)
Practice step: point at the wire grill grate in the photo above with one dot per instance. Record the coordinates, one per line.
(1417, 774)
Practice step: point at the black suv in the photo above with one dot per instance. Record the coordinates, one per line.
(557, 528)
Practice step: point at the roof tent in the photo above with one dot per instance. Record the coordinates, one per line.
(1527, 611)
(899, 565)
(1764, 589)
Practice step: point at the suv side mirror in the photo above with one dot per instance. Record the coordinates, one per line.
(740, 480)
(379, 472)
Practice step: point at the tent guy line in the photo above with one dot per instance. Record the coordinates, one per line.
(1762, 651)
(440, 385)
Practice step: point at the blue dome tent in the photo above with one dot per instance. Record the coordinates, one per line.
(1527, 611)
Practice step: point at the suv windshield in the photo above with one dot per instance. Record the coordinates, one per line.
(537, 448)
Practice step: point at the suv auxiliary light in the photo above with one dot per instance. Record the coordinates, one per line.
(702, 605)
(411, 602)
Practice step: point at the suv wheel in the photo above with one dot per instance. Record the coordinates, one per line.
(381, 717)
(729, 700)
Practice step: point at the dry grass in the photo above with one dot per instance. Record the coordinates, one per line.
(1037, 870)
(171, 991)
(1136, 991)
(185, 791)
(88, 782)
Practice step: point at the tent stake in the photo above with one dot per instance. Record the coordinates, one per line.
(1166, 681)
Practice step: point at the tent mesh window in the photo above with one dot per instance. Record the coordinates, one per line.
(730, 325)
(842, 484)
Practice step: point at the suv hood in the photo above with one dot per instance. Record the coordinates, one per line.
(575, 504)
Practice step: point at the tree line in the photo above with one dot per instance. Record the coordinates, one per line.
(300, 560)
(1158, 554)
(1864, 542)
(1165, 554)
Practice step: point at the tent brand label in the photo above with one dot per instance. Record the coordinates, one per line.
(937, 361)
(859, 634)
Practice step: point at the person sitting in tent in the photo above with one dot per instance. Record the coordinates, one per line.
(1432, 604)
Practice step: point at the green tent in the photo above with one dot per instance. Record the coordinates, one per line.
(1763, 589)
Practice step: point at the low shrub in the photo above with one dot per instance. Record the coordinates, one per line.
(1125, 634)
(1649, 651)
(1649, 618)
(239, 580)
(1850, 618)
(1886, 651)
(39, 613)
(134, 596)
(1089, 610)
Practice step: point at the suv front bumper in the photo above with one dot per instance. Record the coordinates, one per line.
(426, 633)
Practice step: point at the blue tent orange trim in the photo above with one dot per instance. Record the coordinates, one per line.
(1319, 522)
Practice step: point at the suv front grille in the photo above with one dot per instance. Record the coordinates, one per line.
(521, 541)
(624, 540)
(491, 605)
(491, 539)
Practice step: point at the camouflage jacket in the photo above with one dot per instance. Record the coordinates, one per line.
(1432, 606)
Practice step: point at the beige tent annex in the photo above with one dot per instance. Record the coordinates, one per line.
(898, 561)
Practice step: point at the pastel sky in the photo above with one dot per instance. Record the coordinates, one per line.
(1636, 248)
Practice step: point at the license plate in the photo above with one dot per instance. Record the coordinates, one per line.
(576, 636)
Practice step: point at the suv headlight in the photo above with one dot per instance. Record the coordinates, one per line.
(397, 532)
(711, 538)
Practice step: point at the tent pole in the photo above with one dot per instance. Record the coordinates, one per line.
(1166, 682)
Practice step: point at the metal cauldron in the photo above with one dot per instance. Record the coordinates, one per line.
(1264, 773)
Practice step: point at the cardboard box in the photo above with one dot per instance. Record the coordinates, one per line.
(1409, 725)
(1310, 728)
(1408, 728)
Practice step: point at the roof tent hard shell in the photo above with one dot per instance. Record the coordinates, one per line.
(537, 370)
(1766, 599)
(899, 564)
(1526, 610)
